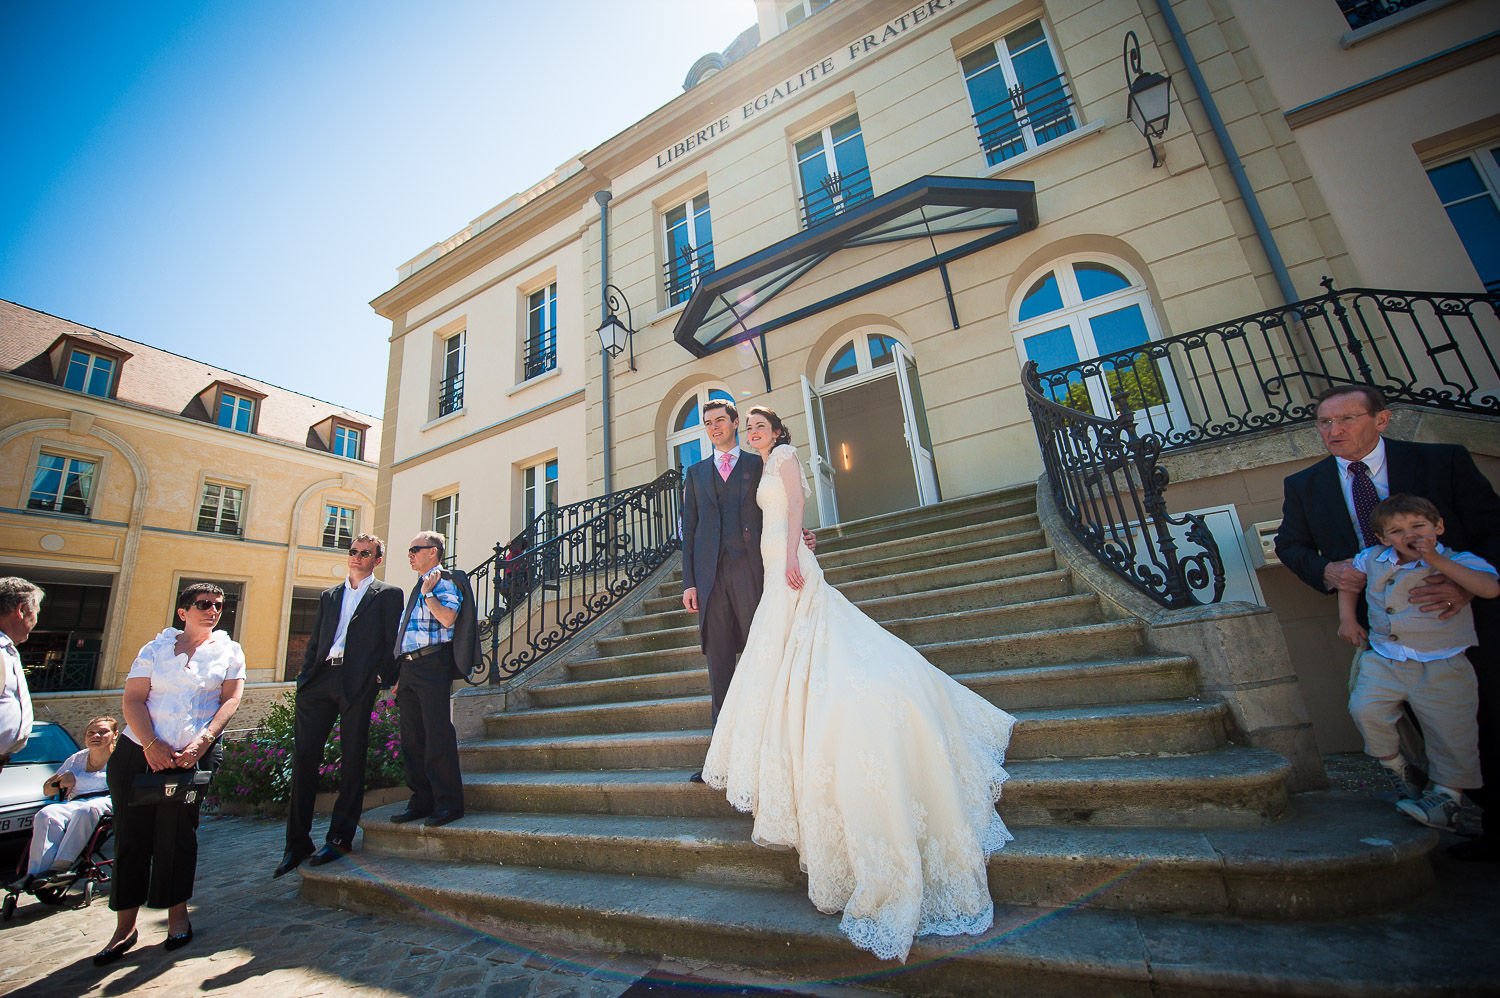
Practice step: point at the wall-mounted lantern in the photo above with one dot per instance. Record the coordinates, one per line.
(1149, 97)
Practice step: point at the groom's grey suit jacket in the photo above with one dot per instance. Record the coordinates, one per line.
(703, 523)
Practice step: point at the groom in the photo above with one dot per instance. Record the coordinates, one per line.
(722, 573)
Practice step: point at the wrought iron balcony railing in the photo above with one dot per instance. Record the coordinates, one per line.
(837, 193)
(533, 598)
(682, 274)
(1261, 371)
(1110, 490)
(541, 353)
(69, 674)
(1362, 12)
(1044, 109)
(67, 505)
(451, 394)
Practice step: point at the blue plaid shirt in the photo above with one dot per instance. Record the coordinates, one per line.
(422, 628)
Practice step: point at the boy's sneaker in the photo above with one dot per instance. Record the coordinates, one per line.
(1435, 810)
(1406, 782)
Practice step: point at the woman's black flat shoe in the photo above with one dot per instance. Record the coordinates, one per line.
(177, 942)
(110, 954)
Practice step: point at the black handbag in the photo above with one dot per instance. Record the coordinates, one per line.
(172, 786)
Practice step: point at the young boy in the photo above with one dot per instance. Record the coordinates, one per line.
(1414, 657)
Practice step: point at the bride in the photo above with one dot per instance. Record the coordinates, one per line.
(848, 746)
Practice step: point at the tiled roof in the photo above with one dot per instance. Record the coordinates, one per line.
(157, 379)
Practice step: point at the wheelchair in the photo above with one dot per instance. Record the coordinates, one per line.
(84, 879)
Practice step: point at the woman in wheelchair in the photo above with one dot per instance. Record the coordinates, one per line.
(62, 830)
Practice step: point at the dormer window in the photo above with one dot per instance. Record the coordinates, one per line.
(803, 9)
(91, 373)
(236, 412)
(348, 442)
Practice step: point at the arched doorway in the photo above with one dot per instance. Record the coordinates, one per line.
(872, 452)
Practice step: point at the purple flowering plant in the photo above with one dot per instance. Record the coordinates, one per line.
(257, 769)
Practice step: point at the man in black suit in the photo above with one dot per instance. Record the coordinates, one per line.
(348, 657)
(437, 644)
(1324, 524)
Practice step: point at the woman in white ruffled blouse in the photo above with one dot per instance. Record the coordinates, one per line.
(182, 690)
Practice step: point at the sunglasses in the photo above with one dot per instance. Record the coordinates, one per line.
(357, 553)
(217, 606)
(419, 547)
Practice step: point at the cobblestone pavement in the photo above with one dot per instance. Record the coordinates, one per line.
(254, 937)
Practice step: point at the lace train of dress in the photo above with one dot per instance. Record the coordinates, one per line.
(850, 747)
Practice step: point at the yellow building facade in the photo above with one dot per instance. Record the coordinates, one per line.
(128, 472)
(870, 215)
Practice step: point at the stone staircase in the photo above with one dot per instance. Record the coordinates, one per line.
(1137, 820)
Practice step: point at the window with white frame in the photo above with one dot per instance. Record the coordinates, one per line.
(348, 441)
(221, 509)
(541, 333)
(802, 10)
(689, 247)
(539, 497)
(861, 354)
(445, 522)
(832, 170)
(236, 412)
(687, 442)
(62, 484)
(450, 387)
(340, 524)
(1020, 96)
(1470, 191)
(1079, 309)
(90, 373)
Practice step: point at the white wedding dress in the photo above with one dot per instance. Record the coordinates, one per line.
(877, 767)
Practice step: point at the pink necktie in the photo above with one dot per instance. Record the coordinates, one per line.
(725, 461)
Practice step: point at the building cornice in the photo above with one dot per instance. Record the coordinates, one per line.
(509, 423)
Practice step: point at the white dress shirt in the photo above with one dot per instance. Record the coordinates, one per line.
(185, 693)
(78, 765)
(15, 699)
(1380, 477)
(353, 593)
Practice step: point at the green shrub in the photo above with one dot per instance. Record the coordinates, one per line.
(257, 769)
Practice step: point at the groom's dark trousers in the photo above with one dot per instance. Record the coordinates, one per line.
(721, 526)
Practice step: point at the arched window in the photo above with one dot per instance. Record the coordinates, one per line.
(1079, 309)
(687, 443)
(859, 355)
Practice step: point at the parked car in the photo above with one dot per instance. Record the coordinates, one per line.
(21, 782)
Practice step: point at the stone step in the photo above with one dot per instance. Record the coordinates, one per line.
(956, 614)
(1229, 787)
(1330, 855)
(1109, 639)
(676, 732)
(1066, 684)
(901, 528)
(662, 612)
(1005, 536)
(679, 626)
(1049, 951)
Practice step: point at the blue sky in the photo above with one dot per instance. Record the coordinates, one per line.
(235, 181)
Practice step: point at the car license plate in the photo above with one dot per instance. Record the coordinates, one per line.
(16, 824)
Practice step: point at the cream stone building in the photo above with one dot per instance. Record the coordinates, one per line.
(870, 214)
(129, 472)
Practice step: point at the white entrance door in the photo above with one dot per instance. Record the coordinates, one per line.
(914, 414)
(822, 469)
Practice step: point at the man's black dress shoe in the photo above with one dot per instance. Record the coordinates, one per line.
(401, 817)
(291, 859)
(696, 777)
(438, 818)
(330, 852)
(110, 954)
(177, 942)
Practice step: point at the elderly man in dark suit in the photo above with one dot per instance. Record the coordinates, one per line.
(722, 573)
(1325, 523)
(437, 644)
(348, 657)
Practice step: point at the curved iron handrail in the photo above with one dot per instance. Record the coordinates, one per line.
(1110, 490)
(534, 600)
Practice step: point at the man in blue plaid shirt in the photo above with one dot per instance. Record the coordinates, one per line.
(424, 651)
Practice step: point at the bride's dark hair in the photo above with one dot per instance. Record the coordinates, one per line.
(779, 433)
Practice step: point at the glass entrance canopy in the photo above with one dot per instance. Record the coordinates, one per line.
(953, 216)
